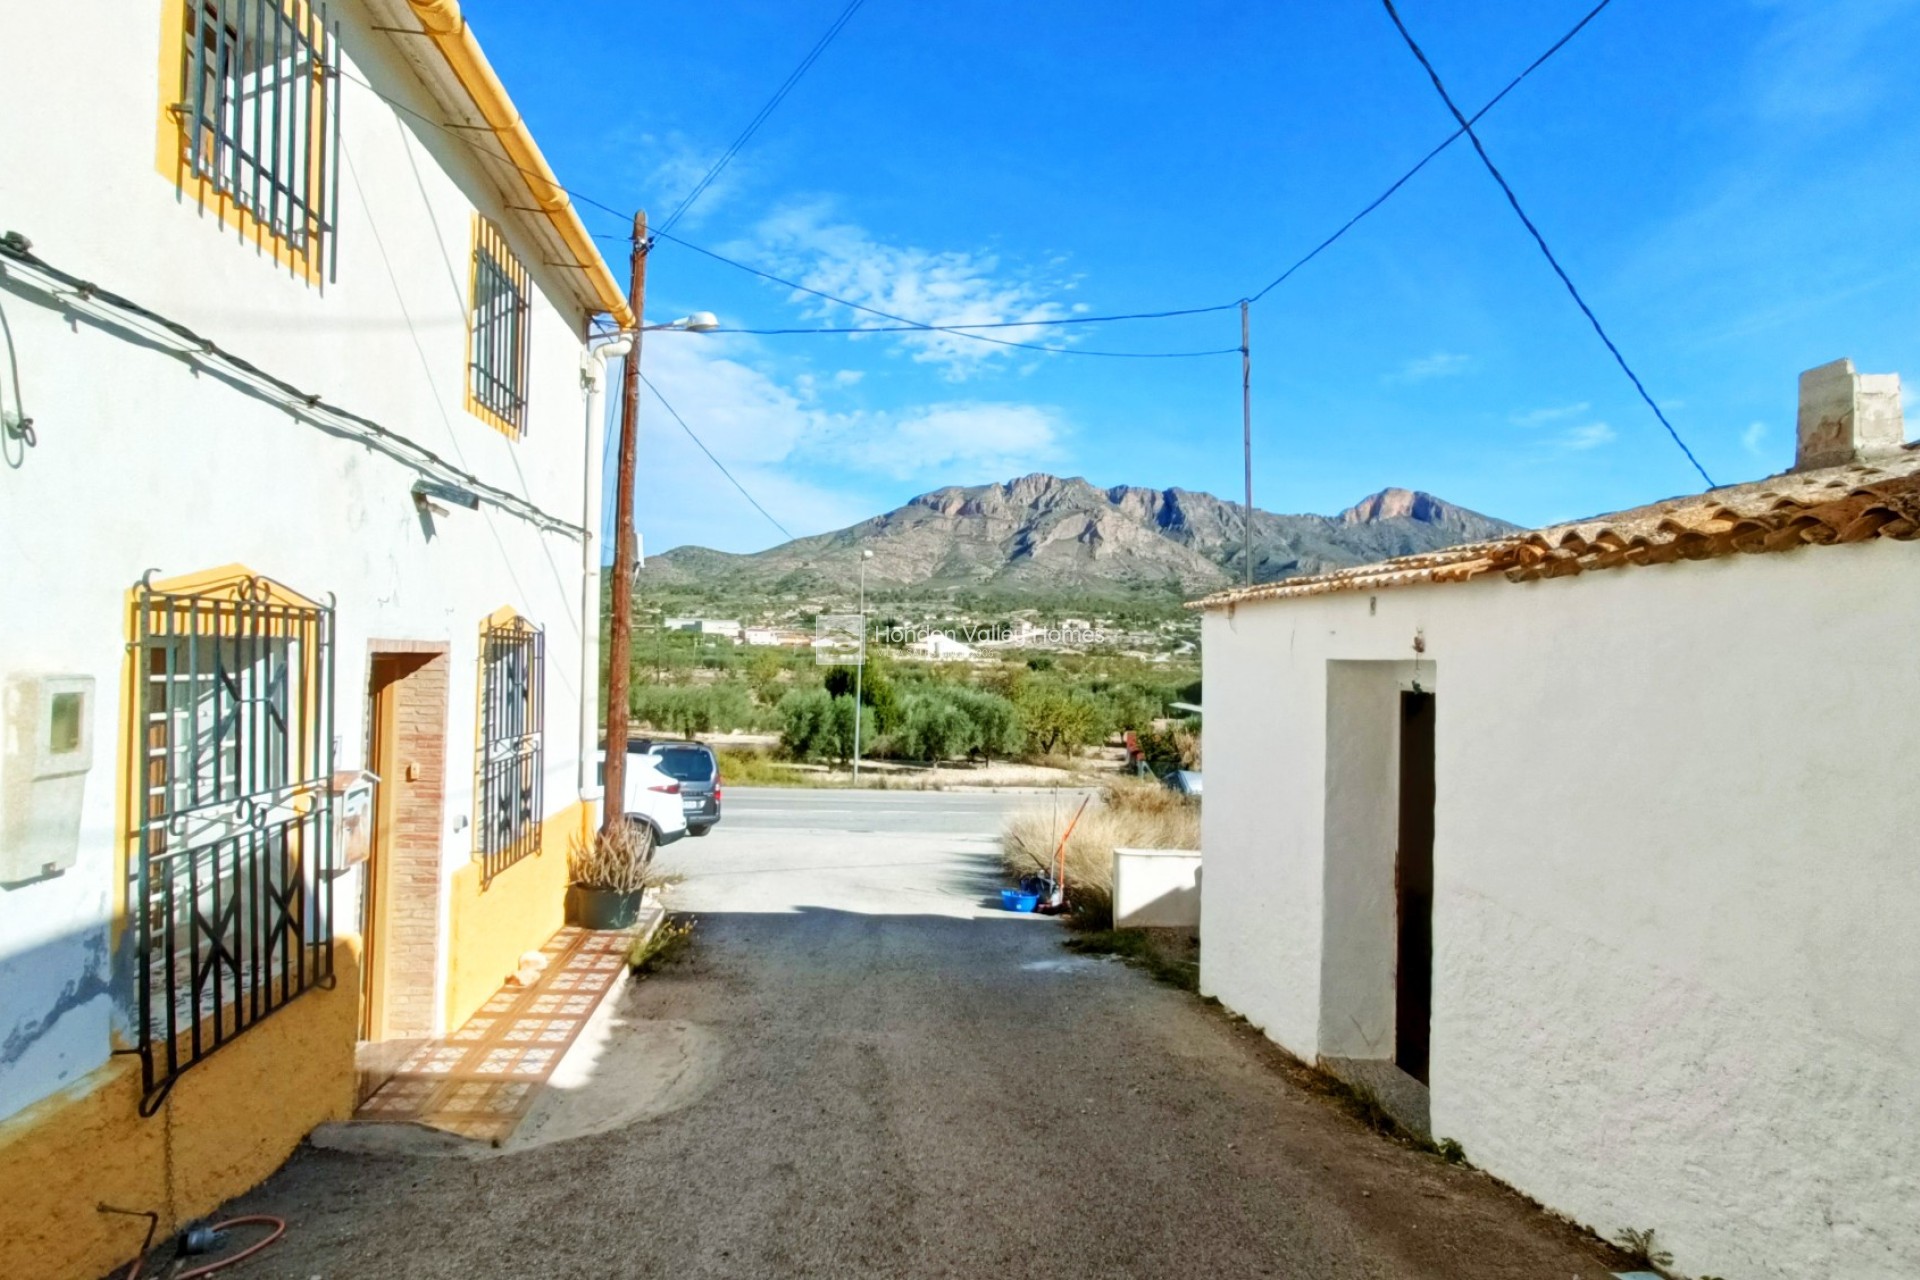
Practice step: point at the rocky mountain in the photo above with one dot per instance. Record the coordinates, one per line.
(1048, 536)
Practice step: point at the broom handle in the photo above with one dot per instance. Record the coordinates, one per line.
(1060, 853)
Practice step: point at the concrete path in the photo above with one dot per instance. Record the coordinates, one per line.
(864, 1069)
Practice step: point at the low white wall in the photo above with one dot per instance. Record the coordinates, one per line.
(1156, 889)
(1675, 875)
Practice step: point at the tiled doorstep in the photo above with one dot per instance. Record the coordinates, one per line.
(480, 1082)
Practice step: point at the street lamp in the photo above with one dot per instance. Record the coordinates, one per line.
(860, 664)
(698, 322)
(625, 557)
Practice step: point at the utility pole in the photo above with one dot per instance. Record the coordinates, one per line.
(860, 665)
(1246, 424)
(620, 636)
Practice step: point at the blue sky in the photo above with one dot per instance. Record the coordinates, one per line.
(1735, 185)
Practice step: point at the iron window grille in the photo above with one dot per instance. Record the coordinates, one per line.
(497, 328)
(260, 107)
(512, 712)
(232, 886)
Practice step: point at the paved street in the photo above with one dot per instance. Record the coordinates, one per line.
(864, 1069)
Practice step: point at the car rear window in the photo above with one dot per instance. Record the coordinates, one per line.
(686, 764)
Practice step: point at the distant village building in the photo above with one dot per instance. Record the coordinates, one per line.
(726, 628)
(1594, 849)
(941, 647)
(766, 636)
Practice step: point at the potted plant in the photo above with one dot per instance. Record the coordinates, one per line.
(608, 877)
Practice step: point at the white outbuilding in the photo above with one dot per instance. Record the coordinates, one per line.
(1597, 850)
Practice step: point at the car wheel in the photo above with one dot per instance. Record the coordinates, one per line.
(700, 830)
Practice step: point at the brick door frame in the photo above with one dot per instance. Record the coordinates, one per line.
(407, 716)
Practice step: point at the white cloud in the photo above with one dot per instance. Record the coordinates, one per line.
(923, 285)
(1441, 364)
(813, 464)
(1540, 417)
(1824, 61)
(982, 440)
(678, 169)
(1590, 436)
(1754, 438)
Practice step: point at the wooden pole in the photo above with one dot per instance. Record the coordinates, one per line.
(620, 628)
(1246, 425)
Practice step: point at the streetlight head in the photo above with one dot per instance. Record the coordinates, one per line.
(701, 322)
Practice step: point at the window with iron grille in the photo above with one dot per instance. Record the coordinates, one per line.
(260, 114)
(231, 884)
(512, 707)
(497, 329)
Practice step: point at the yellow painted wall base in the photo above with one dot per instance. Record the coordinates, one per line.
(491, 926)
(229, 1122)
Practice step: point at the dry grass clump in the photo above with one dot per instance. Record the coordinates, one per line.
(621, 862)
(1125, 815)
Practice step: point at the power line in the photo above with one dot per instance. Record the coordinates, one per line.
(906, 323)
(1451, 138)
(760, 117)
(105, 307)
(1540, 240)
(710, 458)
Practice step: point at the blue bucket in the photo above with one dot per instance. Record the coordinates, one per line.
(1014, 900)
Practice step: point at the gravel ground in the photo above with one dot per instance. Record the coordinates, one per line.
(895, 1080)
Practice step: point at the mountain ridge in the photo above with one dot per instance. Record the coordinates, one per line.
(1042, 534)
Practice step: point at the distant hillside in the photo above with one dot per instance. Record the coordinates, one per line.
(1043, 536)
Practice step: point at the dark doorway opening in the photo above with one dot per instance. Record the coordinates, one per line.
(1413, 889)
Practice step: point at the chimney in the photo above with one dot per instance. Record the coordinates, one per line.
(1847, 417)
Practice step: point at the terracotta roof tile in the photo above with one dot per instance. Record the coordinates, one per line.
(1853, 503)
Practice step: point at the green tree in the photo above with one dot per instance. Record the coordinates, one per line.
(763, 676)
(997, 727)
(1057, 718)
(876, 689)
(935, 728)
(803, 722)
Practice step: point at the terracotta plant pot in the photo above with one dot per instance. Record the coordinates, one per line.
(589, 908)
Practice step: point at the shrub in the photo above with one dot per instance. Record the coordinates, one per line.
(1132, 815)
(814, 724)
(997, 727)
(1057, 718)
(692, 708)
(936, 728)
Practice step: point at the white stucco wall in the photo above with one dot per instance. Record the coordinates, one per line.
(144, 463)
(1676, 872)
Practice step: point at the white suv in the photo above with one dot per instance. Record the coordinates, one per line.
(652, 796)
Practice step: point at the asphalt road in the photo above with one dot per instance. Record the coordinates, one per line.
(875, 1072)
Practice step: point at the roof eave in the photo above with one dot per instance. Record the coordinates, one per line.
(465, 80)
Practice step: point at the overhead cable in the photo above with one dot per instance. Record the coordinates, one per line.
(1467, 128)
(104, 306)
(760, 117)
(715, 461)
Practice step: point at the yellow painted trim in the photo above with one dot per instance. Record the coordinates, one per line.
(488, 234)
(491, 924)
(173, 157)
(447, 28)
(228, 1123)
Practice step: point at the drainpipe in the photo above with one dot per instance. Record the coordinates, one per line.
(593, 379)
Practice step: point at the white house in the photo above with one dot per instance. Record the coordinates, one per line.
(938, 646)
(1594, 850)
(300, 320)
(728, 628)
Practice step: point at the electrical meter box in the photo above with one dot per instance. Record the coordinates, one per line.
(353, 816)
(46, 752)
